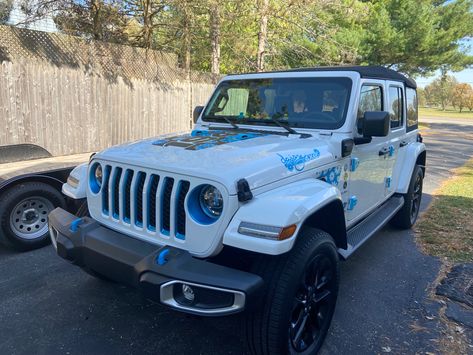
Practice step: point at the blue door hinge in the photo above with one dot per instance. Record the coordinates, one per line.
(391, 150)
(387, 182)
(352, 203)
(354, 164)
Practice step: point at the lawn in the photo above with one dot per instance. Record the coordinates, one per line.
(449, 112)
(446, 228)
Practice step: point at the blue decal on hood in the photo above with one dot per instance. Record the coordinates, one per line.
(297, 161)
(203, 139)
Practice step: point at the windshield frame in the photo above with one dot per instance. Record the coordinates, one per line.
(346, 80)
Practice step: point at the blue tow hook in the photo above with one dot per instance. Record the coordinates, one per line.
(75, 225)
(161, 259)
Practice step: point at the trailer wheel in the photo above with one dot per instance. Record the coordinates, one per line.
(24, 210)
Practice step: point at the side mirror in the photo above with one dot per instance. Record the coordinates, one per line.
(375, 124)
(197, 111)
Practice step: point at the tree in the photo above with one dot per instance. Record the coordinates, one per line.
(215, 36)
(263, 7)
(461, 95)
(5, 9)
(440, 91)
(469, 102)
(418, 37)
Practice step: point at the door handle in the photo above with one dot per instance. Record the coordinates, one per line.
(384, 151)
(403, 144)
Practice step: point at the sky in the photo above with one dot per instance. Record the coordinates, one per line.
(464, 76)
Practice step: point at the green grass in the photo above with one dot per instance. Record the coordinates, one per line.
(446, 228)
(448, 113)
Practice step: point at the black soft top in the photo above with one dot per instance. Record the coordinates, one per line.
(366, 71)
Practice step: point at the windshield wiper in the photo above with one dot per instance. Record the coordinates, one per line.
(229, 121)
(288, 128)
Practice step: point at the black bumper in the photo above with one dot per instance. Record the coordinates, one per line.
(149, 267)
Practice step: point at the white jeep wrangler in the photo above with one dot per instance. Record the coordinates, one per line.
(284, 174)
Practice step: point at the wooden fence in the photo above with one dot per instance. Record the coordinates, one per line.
(90, 95)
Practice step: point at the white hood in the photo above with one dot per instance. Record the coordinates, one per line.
(226, 156)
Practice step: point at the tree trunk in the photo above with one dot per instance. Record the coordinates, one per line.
(262, 34)
(186, 62)
(95, 8)
(147, 23)
(215, 36)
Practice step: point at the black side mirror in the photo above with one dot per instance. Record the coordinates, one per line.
(375, 124)
(197, 111)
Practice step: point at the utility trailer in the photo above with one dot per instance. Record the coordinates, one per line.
(30, 187)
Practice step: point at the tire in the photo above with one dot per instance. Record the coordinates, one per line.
(406, 217)
(24, 210)
(289, 282)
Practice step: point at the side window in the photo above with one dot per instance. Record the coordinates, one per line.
(412, 109)
(371, 99)
(395, 106)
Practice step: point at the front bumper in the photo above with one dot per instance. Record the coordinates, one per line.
(160, 272)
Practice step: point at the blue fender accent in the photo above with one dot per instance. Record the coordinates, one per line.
(161, 259)
(354, 164)
(75, 225)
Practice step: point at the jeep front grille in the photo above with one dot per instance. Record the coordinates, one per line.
(149, 201)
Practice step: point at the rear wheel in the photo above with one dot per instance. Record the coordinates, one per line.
(24, 211)
(300, 297)
(406, 217)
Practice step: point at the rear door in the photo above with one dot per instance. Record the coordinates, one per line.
(368, 167)
(396, 106)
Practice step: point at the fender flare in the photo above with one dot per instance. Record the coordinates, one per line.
(414, 153)
(78, 192)
(294, 203)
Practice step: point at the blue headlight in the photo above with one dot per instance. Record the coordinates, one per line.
(205, 204)
(95, 177)
(211, 201)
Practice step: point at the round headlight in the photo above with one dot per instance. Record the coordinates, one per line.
(98, 174)
(211, 201)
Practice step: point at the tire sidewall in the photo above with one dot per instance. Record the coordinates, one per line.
(11, 198)
(417, 172)
(305, 250)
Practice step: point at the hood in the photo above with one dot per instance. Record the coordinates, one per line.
(226, 156)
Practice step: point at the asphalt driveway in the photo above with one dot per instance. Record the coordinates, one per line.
(50, 307)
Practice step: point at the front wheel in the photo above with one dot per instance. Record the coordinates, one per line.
(406, 217)
(24, 213)
(300, 297)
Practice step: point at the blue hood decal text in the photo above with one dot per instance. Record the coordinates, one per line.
(202, 139)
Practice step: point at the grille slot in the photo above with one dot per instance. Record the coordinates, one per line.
(115, 192)
(153, 188)
(140, 183)
(166, 206)
(127, 195)
(180, 210)
(106, 179)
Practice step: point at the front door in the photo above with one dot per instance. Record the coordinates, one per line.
(368, 164)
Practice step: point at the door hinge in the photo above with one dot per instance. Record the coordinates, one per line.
(354, 164)
(352, 203)
(387, 182)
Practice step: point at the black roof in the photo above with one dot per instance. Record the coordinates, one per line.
(367, 71)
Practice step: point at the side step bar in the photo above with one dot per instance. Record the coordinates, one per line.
(364, 230)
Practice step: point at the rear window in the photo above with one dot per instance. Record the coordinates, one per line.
(412, 109)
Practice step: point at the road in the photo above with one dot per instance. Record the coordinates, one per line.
(50, 307)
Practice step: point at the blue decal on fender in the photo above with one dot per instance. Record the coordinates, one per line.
(203, 139)
(331, 175)
(297, 161)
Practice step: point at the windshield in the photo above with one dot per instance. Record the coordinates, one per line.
(299, 102)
